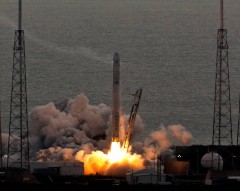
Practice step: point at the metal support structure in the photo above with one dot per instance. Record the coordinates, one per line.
(238, 126)
(132, 117)
(154, 157)
(159, 169)
(1, 151)
(222, 120)
(18, 141)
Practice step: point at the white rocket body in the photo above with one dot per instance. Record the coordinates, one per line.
(116, 98)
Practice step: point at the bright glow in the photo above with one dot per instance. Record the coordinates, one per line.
(116, 153)
(116, 162)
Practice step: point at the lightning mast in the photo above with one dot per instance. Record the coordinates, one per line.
(238, 126)
(1, 151)
(222, 120)
(18, 143)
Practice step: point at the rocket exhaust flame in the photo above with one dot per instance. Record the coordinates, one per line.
(115, 162)
(116, 154)
(75, 130)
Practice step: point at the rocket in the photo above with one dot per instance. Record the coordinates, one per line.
(116, 98)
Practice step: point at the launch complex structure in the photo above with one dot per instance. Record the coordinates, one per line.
(18, 141)
(222, 119)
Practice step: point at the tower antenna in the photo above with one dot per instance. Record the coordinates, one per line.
(18, 142)
(238, 125)
(221, 14)
(222, 119)
(1, 151)
(20, 15)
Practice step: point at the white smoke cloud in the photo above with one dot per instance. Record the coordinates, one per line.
(180, 134)
(95, 118)
(72, 129)
(170, 135)
(74, 126)
(161, 140)
(56, 154)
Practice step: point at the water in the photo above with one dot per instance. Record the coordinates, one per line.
(168, 47)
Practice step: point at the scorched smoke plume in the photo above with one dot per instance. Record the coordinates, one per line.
(72, 129)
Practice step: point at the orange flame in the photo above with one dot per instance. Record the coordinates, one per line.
(116, 154)
(116, 162)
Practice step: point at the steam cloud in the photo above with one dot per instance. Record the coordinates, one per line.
(72, 129)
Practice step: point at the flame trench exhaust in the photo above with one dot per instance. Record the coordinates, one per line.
(116, 98)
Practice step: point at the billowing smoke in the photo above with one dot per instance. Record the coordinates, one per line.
(72, 129)
(73, 124)
(172, 134)
(162, 139)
